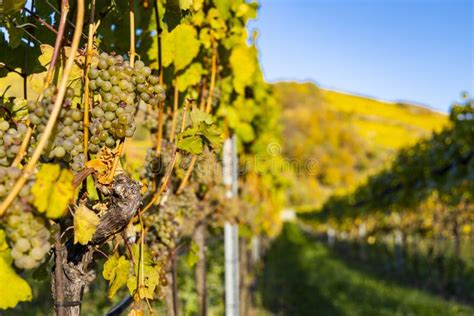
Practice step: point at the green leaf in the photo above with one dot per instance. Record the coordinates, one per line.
(245, 132)
(198, 116)
(214, 136)
(190, 131)
(43, 271)
(190, 77)
(52, 190)
(8, 7)
(243, 65)
(192, 145)
(92, 190)
(14, 57)
(14, 35)
(172, 16)
(85, 224)
(232, 116)
(193, 255)
(13, 288)
(180, 46)
(116, 271)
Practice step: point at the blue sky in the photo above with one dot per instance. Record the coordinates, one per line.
(412, 50)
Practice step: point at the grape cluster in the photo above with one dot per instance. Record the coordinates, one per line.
(29, 237)
(11, 136)
(164, 226)
(66, 144)
(207, 170)
(163, 233)
(26, 232)
(120, 86)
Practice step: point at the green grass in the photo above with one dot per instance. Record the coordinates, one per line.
(302, 277)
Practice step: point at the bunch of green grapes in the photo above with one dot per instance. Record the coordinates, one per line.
(207, 170)
(164, 225)
(66, 143)
(163, 233)
(26, 232)
(120, 87)
(11, 136)
(183, 204)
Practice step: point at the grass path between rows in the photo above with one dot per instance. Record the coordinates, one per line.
(302, 277)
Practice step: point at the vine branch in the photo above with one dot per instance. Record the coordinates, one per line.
(213, 77)
(175, 110)
(119, 150)
(59, 39)
(87, 102)
(160, 70)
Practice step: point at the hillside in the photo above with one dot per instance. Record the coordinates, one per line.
(343, 137)
(389, 125)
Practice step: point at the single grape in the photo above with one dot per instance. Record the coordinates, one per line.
(59, 152)
(106, 86)
(22, 245)
(109, 116)
(4, 126)
(102, 64)
(153, 79)
(139, 64)
(37, 253)
(97, 112)
(93, 73)
(93, 85)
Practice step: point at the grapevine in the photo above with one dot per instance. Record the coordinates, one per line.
(64, 159)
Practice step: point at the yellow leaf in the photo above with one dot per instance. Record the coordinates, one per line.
(116, 270)
(150, 282)
(466, 229)
(52, 190)
(85, 224)
(41, 189)
(96, 164)
(74, 79)
(13, 288)
(103, 165)
(180, 46)
(46, 54)
(61, 194)
(136, 312)
(244, 64)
